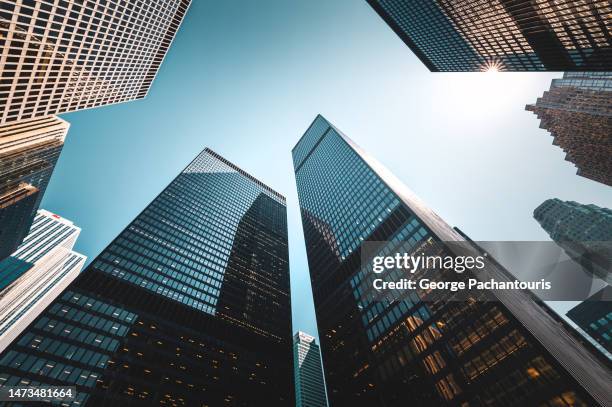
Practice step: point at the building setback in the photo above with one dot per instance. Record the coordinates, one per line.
(37, 273)
(594, 316)
(47, 232)
(29, 150)
(509, 35)
(583, 231)
(419, 347)
(189, 305)
(62, 56)
(577, 111)
(309, 381)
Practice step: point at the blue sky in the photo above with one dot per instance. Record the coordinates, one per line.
(246, 78)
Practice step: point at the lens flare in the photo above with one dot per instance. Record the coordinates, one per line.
(492, 66)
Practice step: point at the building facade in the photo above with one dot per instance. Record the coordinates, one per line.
(189, 305)
(411, 346)
(309, 380)
(48, 231)
(583, 231)
(29, 150)
(577, 111)
(62, 56)
(509, 35)
(26, 297)
(594, 316)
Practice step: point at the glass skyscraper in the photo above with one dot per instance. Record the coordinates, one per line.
(510, 35)
(29, 151)
(594, 316)
(189, 305)
(309, 381)
(583, 231)
(577, 111)
(415, 347)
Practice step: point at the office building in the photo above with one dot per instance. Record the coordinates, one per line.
(28, 295)
(583, 231)
(188, 305)
(29, 150)
(594, 316)
(419, 347)
(508, 35)
(309, 381)
(577, 111)
(62, 56)
(47, 232)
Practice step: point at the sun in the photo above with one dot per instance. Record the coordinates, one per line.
(492, 66)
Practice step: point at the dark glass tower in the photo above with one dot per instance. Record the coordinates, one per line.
(189, 305)
(577, 111)
(594, 316)
(309, 381)
(583, 231)
(510, 35)
(29, 150)
(418, 349)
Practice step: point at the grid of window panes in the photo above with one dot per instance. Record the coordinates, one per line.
(472, 35)
(309, 382)
(594, 316)
(203, 275)
(572, 221)
(493, 32)
(29, 150)
(59, 56)
(179, 246)
(417, 346)
(47, 231)
(595, 81)
(73, 340)
(430, 33)
(313, 135)
(354, 204)
(37, 288)
(576, 111)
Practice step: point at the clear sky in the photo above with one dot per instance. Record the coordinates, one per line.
(246, 78)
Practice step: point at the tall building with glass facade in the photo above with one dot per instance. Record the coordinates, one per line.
(577, 111)
(583, 231)
(594, 316)
(62, 56)
(37, 273)
(29, 150)
(188, 305)
(48, 232)
(309, 380)
(509, 35)
(416, 347)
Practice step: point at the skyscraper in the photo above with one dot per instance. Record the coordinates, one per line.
(189, 305)
(47, 232)
(583, 231)
(594, 316)
(577, 111)
(29, 150)
(309, 381)
(509, 35)
(413, 346)
(62, 56)
(37, 273)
